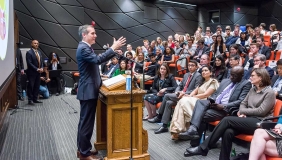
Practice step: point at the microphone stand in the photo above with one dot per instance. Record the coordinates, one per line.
(131, 103)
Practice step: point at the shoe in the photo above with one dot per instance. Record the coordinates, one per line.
(161, 130)
(91, 157)
(37, 101)
(154, 120)
(195, 151)
(30, 103)
(93, 152)
(174, 136)
(57, 94)
(189, 135)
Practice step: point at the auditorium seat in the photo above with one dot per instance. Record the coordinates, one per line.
(277, 56)
(267, 41)
(271, 56)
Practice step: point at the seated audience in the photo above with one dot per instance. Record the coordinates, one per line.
(276, 81)
(190, 48)
(233, 50)
(262, 48)
(228, 32)
(204, 61)
(202, 49)
(259, 62)
(256, 35)
(218, 48)
(130, 60)
(129, 49)
(234, 60)
(168, 56)
(54, 64)
(159, 54)
(170, 42)
(233, 39)
(208, 38)
(44, 79)
(121, 69)
(145, 47)
(244, 42)
(112, 67)
(227, 99)
(219, 69)
(262, 29)
(272, 29)
(181, 39)
(184, 109)
(190, 81)
(164, 82)
(138, 66)
(258, 104)
(177, 48)
(264, 143)
(249, 60)
(149, 71)
(198, 37)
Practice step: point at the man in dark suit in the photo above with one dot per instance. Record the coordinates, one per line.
(225, 101)
(249, 60)
(20, 71)
(190, 81)
(34, 68)
(262, 48)
(89, 84)
(276, 81)
(201, 49)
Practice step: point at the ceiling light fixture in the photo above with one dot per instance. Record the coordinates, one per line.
(178, 3)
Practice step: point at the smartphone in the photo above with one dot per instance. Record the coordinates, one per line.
(177, 94)
(212, 101)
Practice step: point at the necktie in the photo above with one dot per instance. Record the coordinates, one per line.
(38, 58)
(187, 83)
(277, 82)
(218, 100)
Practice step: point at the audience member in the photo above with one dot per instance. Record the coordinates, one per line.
(138, 66)
(208, 38)
(258, 104)
(19, 72)
(219, 69)
(130, 60)
(159, 54)
(181, 39)
(184, 109)
(187, 37)
(262, 48)
(112, 67)
(129, 49)
(234, 60)
(121, 69)
(259, 62)
(159, 44)
(153, 47)
(149, 71)
(256, 35)
(54, 64)
(34, 68)
(276, 81)
(202, 49)
(265, 142)
(145, 47)
(168, 56)
(177, 48)
(262, 29)
(170, 42)
(197, 37)
(228, 32)
(44, 80)
(249, 60)
(218, 47)
(272, 29)
(204, 61)
(225, 101)
(164, 82)
(233, 39)
(190, 48)
(233, 50)
(190, 81)
(244, 42)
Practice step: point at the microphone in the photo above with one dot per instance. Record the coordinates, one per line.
(105, 47)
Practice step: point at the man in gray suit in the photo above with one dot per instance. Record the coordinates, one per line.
(89, 84)
(225, 101)
(190, 81)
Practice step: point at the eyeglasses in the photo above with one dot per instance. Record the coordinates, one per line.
(191, 65)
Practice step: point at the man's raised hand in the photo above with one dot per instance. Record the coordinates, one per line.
(118, 43)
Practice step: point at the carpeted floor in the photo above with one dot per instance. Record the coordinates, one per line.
(49, 133)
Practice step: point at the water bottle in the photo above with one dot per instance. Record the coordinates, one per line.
(24, 94)
(128, 82)
(202, 138)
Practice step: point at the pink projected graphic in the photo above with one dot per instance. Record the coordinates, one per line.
(4, 15)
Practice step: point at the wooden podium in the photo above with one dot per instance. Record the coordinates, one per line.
(113, 124)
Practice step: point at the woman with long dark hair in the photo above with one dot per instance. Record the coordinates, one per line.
(219, 69)
(168, 56)
(218, 47)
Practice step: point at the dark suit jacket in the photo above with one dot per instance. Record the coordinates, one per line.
(169, 83)
(269, 70)
(250, 60)
(19, 57)
(273, 80)
(88, 67)
(266, 51)
(32, 63)
(205, 51)
(195, 81)
(238, 94)
(50, 66)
